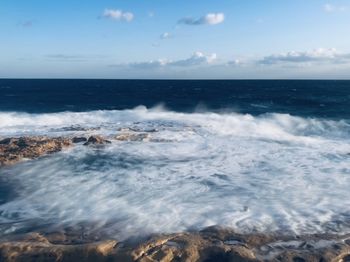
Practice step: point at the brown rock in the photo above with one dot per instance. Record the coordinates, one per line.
(213, 244)
(191, 247)
(13, 150)
(42, 250)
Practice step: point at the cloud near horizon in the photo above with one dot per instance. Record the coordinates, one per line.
(118, 15)
(197, 59)
(319, 55)
(316, 57)
(209, 19)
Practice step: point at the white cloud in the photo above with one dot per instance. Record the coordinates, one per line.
(314, 59)
(150, 64)
(166, 35)
(323, 63)
(118, 15)
(197, 59)
(213, 19)
(333, 8)
(320, 55)
(209, 19)
(236, 62)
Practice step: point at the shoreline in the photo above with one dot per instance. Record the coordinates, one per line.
(210, 244)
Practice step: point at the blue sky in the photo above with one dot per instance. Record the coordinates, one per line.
(175, 39)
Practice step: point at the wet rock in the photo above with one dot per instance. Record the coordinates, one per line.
(13, 150)
(134, 137)
(78, 139)
(96, 140)
(212, 244)
(190, 247)
(216, 244)
(38, 248)
(6, 141)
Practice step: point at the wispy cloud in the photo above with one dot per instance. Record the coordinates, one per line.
(118, 15)
(197, 59)
(317, 55)
(235, 62)
(72, 58)
(28, 23)
(330, 8)
(314, 58)
(209, 19)
(307, 58)
(65, 58)
(149, 65)
(166, 35)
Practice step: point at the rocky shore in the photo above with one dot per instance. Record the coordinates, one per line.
(15, 149)
(211, 244)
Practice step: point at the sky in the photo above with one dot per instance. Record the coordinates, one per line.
(175, 39)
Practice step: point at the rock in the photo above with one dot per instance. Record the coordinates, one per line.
(13, 150)
(216, 244)
(212, 244)
(6, 141)
(190, 247)
(38, 248)
(96, 140)
(134, 137)
(78, 139)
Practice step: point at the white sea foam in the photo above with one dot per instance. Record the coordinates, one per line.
(267, 173)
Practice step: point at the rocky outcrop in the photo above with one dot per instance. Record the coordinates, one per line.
(79, 139)
(96, 140)
(211, 244)
(215, 244)
(13, 150)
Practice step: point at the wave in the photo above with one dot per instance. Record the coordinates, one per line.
(271, 125)
(274, 172)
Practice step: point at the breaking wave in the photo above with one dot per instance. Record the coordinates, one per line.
(272, 172)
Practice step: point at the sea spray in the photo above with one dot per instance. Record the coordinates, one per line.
(267, 173)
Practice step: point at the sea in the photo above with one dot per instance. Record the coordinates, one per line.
(253, 155)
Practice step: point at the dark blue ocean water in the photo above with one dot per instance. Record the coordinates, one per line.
(328, 99)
